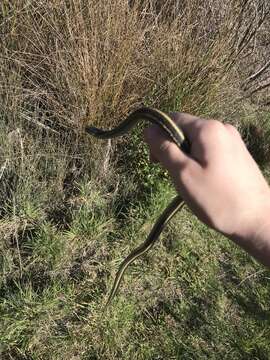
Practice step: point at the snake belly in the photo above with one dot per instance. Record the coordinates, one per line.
(176, 135)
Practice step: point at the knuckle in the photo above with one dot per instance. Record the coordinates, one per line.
(185, 173)
(211, 128)
(214, 126)
(232, 129)
(164, 146)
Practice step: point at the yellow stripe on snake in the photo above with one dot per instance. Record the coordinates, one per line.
(175, 133)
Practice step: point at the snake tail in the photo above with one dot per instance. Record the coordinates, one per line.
(175, 205)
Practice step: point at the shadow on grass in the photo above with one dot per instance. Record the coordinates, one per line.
(252, 307)
(246, 294)
(257, 141)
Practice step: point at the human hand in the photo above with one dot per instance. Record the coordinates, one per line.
(219, 180)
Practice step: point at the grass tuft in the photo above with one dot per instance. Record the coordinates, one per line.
(71, 208)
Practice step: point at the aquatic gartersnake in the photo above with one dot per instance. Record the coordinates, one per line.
(175, 133)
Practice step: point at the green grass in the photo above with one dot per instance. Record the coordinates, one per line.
(194, 296)
(72, 208)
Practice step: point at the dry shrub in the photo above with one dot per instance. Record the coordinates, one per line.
(254, 63)
(67, 63)
(64, 61)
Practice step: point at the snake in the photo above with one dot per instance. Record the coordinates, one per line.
(175, 134)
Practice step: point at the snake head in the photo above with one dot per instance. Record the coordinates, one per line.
(93, 131)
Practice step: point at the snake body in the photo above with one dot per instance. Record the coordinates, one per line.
(175, 133)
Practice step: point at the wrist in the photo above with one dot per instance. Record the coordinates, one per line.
(254, 234)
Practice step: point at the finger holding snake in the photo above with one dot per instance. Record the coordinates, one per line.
(219, 180)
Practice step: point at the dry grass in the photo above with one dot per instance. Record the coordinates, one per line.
(64, 61)
(66, 211)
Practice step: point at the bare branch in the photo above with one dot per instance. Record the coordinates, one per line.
(38, 123)
(260, 88)
(258, 73)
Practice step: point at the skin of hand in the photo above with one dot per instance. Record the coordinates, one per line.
(218, 180)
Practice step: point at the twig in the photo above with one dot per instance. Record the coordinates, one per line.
(3, 168)
(250, 276)
(28, 118)
(259, 88)
(258, 73)
(107, 157)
